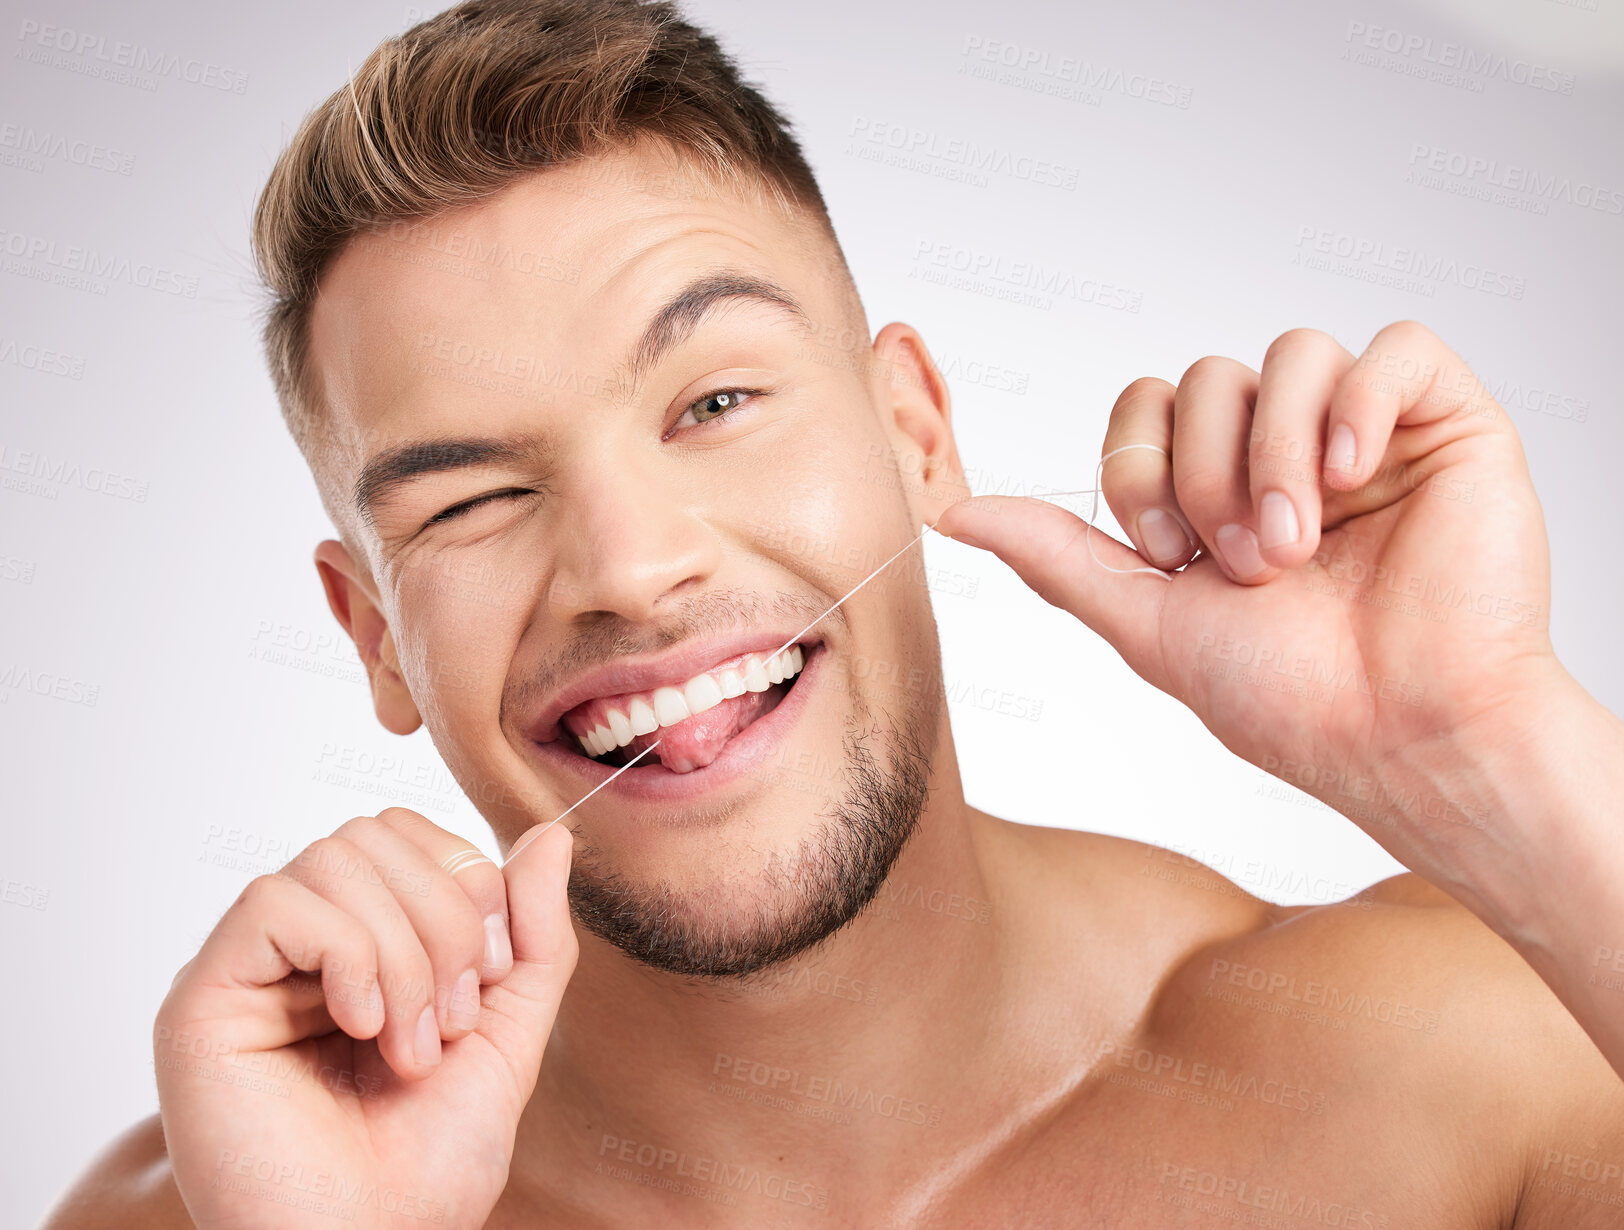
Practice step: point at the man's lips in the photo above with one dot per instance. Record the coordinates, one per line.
(672, 668)
(692, 721)
(742, 757)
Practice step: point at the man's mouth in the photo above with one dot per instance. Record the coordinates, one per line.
(692, 720)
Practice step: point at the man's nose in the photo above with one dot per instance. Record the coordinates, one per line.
(627, 542)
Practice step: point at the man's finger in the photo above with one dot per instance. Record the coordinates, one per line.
(1137, 482)
(475, 874)
(1300, 371)
(525, 1003)
(1406, 378)
(1048, 547)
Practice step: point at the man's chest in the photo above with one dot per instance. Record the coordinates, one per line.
(1179, 1148)
(1204, 1158)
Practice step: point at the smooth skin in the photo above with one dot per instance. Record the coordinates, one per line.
(1032, 1026)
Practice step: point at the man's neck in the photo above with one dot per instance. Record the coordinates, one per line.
(875, 1033)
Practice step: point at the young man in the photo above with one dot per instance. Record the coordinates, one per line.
(563, 329)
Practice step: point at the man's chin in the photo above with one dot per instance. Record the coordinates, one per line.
(798, 899)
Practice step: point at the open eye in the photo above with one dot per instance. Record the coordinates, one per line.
(714, 406)
(456, 510)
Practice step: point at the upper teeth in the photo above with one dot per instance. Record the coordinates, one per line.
(646, 712)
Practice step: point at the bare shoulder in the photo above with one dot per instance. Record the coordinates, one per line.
(1409, 1016)
(1405, 1006)
(1127, 880)
(127, 1184)
(1142, 915)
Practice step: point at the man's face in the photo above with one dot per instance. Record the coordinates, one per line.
(570, 518)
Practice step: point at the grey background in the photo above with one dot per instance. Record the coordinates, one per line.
(165, 573)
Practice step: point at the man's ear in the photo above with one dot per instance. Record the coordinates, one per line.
(356, 610)
(916, 410)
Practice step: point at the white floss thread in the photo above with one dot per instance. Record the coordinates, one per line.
(1094, 511)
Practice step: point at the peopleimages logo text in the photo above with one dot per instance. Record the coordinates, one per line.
(133, 56)
(1513, 178)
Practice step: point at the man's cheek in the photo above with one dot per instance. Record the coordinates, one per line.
(444, 659)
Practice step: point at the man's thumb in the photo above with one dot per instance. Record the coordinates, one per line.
(544, 946)
(1048, 547)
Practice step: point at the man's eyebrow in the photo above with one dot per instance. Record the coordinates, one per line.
(397, 466)
(669, 327)
(675, 322)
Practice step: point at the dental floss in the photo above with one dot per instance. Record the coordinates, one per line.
(1094, 510)
(929, 528)
(597, 788)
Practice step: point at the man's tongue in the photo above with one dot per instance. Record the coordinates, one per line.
(694, 742)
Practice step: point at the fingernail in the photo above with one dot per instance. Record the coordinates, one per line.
(426, 1045)
(463, 1011)
(565, 864)
(1279, 520)
(964, 536)
(1238, 546)
(1163, 536)
(1340, 453)
(498, 948)
(535, 832)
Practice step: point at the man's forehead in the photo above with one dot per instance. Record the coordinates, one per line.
(561, 263)
(562, 229)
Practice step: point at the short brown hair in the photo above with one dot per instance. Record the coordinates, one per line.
(461, 105)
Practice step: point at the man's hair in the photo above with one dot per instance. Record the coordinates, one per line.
(462, 105)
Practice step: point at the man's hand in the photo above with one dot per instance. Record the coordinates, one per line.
(1372, 580)
(1363, 613)
(382, 1084)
